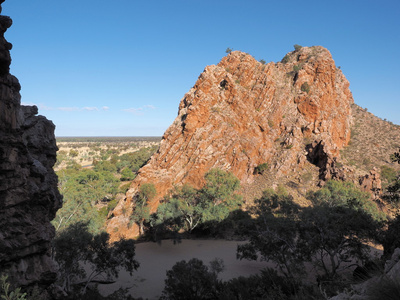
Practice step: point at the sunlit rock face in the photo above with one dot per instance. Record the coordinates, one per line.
(241, 113)
(29, 197)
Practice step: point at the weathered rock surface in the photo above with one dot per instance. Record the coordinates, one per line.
(241, 113)
(29, 197)
(372, 183)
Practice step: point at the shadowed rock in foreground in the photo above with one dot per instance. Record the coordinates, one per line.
(29, 197)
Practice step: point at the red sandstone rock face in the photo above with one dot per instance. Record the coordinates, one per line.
(241, 113)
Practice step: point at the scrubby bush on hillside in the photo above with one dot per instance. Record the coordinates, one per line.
(261, 168)
(345, 194)
(305, 87)
(297, 47)
(187, 208)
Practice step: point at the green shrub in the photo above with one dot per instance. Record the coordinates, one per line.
(346, 194)
(262, 61)
(6, 294)
(305, 87)
(297, 68)
(297, 47)
(388, 173)
(285, 59)
(260, 169)
(73, 153)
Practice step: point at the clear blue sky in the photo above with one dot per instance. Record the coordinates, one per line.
(120, 68)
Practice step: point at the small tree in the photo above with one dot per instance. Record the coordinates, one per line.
(191, 280)
(127, 174)
(76, 246)
(187, 207)
(335, 235)
(183, 208)
(273, 236)
(396, 157)
(228, 50)
(141, 212)
(392, 194)
(218, 197)
(73, 153)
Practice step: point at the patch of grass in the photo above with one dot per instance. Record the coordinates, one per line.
(306, 177)
(388, 174)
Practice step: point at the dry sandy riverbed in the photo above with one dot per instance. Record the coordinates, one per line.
(155, 260)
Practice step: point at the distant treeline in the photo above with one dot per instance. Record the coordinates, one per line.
(108, 139)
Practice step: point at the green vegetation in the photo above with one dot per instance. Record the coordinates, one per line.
(141, 212)
(297, 68)
(336, 229)
(297, 47)
(388, 174)
(263, 61)
(228, 50)
(7, 292)
(345, 194)
(83, 189)
(285, 59)
(192, 280)
(73, 153)
(89, 194)
(75, 247)
(305, 87)
(261, 168)
(328, 234)
(392, 192)
(195, 280)
(188, 208)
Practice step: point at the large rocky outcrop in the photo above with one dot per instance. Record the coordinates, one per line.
(241, 113)
(29, 197)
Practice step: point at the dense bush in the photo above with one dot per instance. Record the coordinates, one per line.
(85, 258)
(188, 208)
(261, 168)
(305, 87)
(346, 194)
